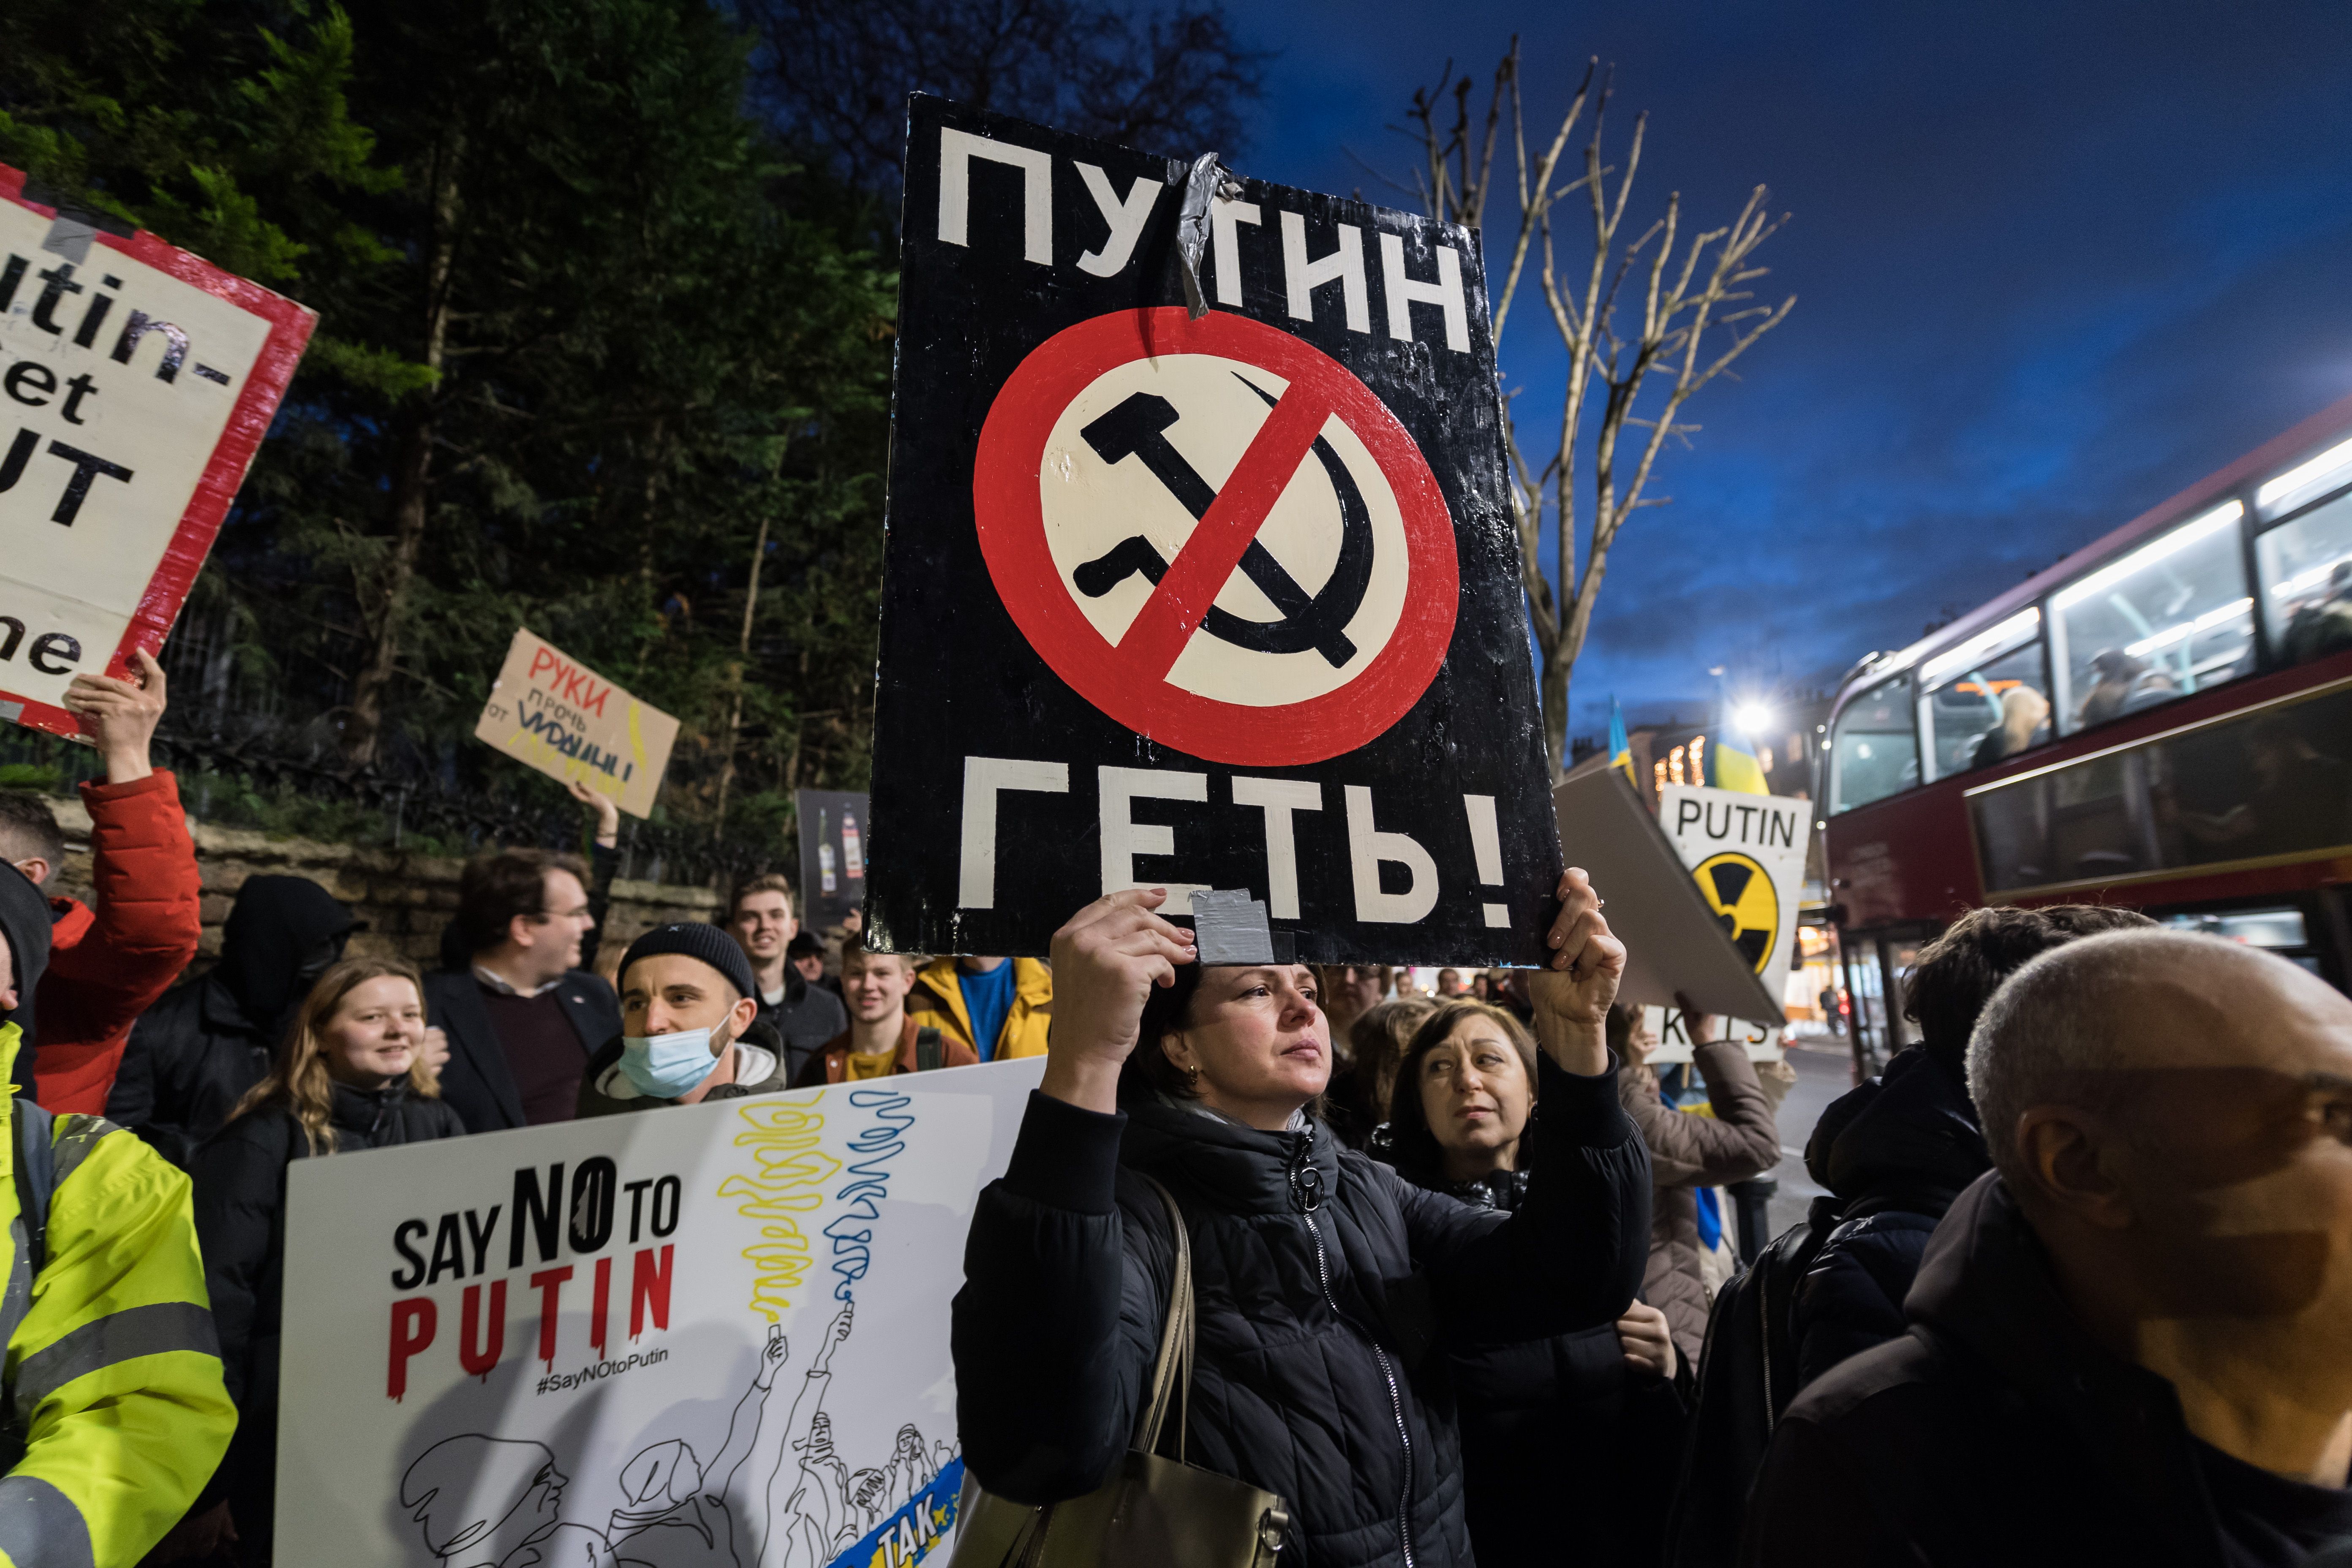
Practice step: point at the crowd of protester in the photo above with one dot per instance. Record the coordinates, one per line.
(2078, 1286)
(151, 1124)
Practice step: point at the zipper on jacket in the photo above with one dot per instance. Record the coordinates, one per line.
(1396, 1399)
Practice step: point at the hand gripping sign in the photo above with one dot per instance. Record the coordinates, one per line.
(136, 383)
(1227, 600)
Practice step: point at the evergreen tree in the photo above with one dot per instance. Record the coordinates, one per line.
(605, 347)
(592, 358)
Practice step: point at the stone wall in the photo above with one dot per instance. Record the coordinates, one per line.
(405, 899)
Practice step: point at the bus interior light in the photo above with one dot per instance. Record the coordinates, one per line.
(2304, 476)
(2187, 629)
(2303, 582)
(2147, 555)
(2016, 629)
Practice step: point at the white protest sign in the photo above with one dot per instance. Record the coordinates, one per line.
(1747, 852)
(549, 710)
(136, 382)
(712, 1334)
(1668, 1027)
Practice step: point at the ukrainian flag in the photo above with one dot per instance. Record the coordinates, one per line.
(1731, 765)
(1621, 750)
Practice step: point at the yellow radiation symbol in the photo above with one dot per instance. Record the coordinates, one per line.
(1743, 899)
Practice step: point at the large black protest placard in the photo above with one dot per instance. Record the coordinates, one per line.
(1222, 602)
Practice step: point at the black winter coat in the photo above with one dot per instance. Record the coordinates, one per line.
(1329, 1292)
(1895, 1152)
(241, 1198)
(1999, 1433)
(193, 1054)
(1560, 1439)
(240, 1202)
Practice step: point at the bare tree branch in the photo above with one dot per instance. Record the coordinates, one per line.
(1693, 323)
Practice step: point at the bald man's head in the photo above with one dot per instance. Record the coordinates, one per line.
(2082, 1022)
(2176, 1110)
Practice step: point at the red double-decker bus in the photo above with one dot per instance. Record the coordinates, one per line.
(2163, 721)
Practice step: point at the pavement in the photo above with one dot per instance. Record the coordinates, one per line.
(1824, 1071)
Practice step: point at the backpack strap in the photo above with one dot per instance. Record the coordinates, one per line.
(930, 1051)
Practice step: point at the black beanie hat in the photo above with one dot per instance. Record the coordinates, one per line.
(707, 942)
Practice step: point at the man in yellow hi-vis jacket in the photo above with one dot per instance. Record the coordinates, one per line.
(112, 1412)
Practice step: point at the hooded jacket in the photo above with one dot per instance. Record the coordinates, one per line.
(1742, 1139)
(109, 965)
(196, 1052)
(1996, 1431)
(1894, 1153)
(112, 1412)
(1329, 1295)
(240, 1215)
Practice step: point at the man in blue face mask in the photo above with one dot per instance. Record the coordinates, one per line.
(689, 1028)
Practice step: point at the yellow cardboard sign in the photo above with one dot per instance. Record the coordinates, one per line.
(554, 713)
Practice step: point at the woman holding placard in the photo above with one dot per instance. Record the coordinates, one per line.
(1324, 1289)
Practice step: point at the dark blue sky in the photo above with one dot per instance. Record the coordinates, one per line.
(2053, 261)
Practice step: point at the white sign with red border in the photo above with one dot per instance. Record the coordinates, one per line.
(136, 383)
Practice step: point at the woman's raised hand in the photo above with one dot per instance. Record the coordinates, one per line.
(1572, 991)
(1106, 962)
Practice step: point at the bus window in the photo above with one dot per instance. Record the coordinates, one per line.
(1874, 751)
(2306, 566)
(2170, 618)
(2280, 929)
(2271, 786)
(1989, 698)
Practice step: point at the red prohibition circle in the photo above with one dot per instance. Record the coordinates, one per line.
(1009, 510)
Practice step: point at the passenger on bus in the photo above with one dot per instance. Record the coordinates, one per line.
(2024, 721)
(2323, 626)
(2302, 799)
(2126, 684)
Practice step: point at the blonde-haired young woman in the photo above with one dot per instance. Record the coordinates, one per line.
(350, 1075)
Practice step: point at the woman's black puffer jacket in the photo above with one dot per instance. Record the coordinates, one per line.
(1330, 1293)
(1561, 1430)
(240, 1202)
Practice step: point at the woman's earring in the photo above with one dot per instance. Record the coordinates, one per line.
(1193, 1079)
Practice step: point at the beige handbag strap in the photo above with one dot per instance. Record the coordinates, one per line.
(1173, 1373)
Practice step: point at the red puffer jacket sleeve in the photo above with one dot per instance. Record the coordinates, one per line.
(111, 964)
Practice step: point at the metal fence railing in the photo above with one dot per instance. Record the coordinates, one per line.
(294, 792)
